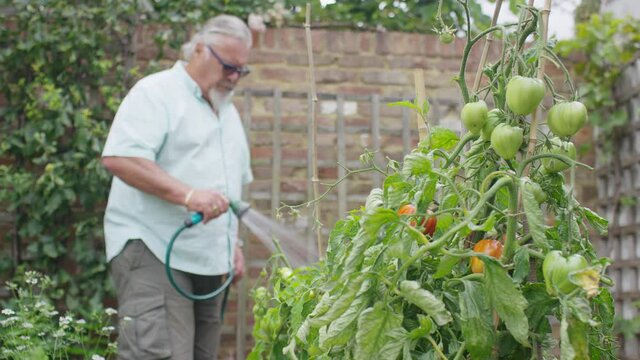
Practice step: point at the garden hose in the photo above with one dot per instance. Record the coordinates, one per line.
(238, 208)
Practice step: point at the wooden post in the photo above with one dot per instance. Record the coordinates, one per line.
(342, 158)
(421, 96)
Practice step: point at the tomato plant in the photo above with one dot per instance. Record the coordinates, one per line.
(387, 289)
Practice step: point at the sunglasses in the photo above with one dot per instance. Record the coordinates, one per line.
(229, 69)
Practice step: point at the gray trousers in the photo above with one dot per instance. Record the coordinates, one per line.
(154, 320)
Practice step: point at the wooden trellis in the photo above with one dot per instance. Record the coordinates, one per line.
(616, 180)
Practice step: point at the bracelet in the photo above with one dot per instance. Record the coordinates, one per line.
(188, 197)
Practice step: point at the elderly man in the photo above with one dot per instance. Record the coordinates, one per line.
(176, 146)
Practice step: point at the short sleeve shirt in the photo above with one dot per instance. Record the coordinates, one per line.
(165, 119)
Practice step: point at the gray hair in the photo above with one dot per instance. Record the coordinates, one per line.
(221, 25)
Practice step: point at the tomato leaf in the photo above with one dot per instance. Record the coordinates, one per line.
(540, 306)
(534, 215)
(521, 261)
(442, 138)
(446, 264)
(375, 326)
(506, 300)
(340, 305)
(340, 331)
(395, 190)
(416, 163)
(425, 300)
(374, 200)
(475, 320)
(600, 224)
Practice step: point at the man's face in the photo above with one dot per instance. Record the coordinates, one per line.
(226, 62)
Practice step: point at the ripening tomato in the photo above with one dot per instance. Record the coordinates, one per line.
(524, 94)
(567, 118)
(408, 209)
(490, 247)
(506, 140)
(559, 147)
(474, 116)
(429, 224)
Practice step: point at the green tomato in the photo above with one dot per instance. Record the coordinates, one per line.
(556, 270)
(446, 38)
(524, 94)
(474, 116)
(567, 118)
(260, 293)
(538, 193)
(559, 147)
(506, 140)
(285, 273)
(494, 117)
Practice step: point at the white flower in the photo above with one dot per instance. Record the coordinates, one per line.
(9, 321)
(41, 304)
(96, 357)
(41, 334)
(110, 311)
(81, 322)
(27, 325)
(127, 318)
(8, 312)
(32, 277)
(21, 347)
(113, 345)
(107, 329)
(58, 334)
(52, 313)
(65, 320)
(24, 337)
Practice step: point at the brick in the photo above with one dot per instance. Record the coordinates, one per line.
(268, 39)
(359, 90)
(351, 43)
(259, 56)
(382, 43)
(301, 59)
(359, 61)
(334, 76)
(398, 44)
(334, 41)
(412, 62)
(318, 40)
(283, 74)
(431, 45)
(392, 77)
(366, 39)
(297, 39)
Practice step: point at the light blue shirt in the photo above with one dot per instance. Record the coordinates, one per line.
(165, 119)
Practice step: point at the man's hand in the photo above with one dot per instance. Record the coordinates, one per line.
(238, 263)
(210, 203)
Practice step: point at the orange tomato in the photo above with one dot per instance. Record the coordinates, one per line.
(490, 247)
(408, 209)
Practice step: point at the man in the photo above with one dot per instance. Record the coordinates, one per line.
(177, 146)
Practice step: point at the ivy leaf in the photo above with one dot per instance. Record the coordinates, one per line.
(442, 138)
(375, 326)
(425, 300)
(475, 320)
(506, 300)
(535, 217)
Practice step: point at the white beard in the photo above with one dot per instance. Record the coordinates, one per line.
(218, 98)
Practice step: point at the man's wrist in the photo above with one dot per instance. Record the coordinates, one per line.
(188, 197)
(240, 243)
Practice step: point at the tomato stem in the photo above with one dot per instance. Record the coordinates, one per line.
(510, 243)
(456, 151)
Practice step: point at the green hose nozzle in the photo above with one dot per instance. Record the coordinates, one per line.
(239, 207)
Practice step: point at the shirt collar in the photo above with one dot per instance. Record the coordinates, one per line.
(183, 75)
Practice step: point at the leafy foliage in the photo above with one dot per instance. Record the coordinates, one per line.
(605, 46)
(386, 290)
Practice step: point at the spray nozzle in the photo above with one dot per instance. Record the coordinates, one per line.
(239, 207)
